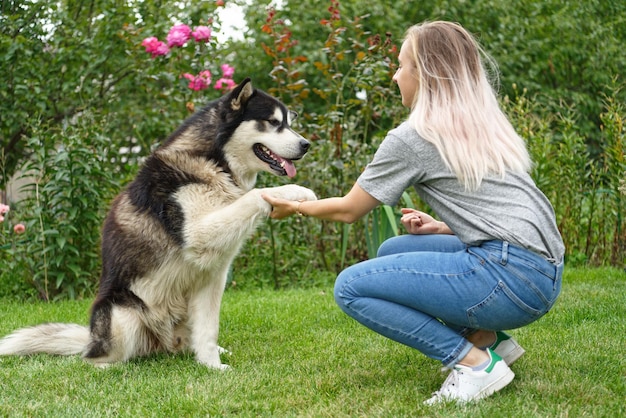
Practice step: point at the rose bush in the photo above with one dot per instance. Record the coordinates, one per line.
(179, 37)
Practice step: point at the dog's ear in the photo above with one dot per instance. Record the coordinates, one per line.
(240, 94)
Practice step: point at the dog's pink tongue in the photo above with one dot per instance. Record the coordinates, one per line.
(286, 164)
(290, 168)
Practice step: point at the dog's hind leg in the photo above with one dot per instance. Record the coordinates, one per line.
(204, 317)
(118, 334)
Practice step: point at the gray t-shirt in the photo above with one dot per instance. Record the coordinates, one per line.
(510, 209)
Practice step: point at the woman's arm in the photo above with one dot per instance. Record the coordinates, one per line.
(348, 209)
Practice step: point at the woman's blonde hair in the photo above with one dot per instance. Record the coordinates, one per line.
(455, 106)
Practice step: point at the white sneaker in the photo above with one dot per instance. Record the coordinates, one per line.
(507, 348)
(464, 384)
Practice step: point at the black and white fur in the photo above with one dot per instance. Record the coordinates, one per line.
(171, 236)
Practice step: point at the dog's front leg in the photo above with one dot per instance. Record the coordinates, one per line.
(204, 315)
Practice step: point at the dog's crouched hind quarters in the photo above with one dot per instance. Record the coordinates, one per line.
(171, 236)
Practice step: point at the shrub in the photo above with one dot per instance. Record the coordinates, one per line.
(72, 178)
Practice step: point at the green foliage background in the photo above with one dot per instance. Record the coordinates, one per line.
(79, 92)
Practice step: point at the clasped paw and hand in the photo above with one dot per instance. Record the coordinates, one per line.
(285, 199)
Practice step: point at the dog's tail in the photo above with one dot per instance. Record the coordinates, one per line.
(52, 338)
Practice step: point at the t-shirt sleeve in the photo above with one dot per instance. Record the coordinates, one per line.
(393, 169)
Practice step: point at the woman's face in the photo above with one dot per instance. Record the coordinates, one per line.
(406, 76)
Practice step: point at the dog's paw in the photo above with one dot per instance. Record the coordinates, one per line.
(219, 366)
(291, 192)
(222, 350)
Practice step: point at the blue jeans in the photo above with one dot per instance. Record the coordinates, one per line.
(430, 291)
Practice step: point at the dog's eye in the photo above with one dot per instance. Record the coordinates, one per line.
(274, 122)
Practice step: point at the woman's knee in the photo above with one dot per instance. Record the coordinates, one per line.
(393, 245)
(338, 291)
(346, 290)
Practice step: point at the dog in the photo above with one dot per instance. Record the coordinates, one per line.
(170, 237)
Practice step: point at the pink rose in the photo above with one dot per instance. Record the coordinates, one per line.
(155, 47)
(19, 229)
(227, 71)
(205, 76)
(189, 77)
(178, 35)
(202, 33)
(148, 42)
(226, 83)
(4, 208)
(161, 49)
(199, 82)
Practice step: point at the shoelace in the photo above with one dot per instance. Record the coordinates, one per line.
(451, 381)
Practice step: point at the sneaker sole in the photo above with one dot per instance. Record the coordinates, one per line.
(487, 391)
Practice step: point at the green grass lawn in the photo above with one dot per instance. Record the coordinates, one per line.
(294, 353)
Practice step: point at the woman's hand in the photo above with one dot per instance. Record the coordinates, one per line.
(281, 208)
(420, 223)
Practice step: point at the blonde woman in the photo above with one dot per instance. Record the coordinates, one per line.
(493, 262)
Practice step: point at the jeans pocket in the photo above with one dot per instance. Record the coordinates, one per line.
(502, 309)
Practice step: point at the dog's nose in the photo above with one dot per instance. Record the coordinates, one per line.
(305, 145)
